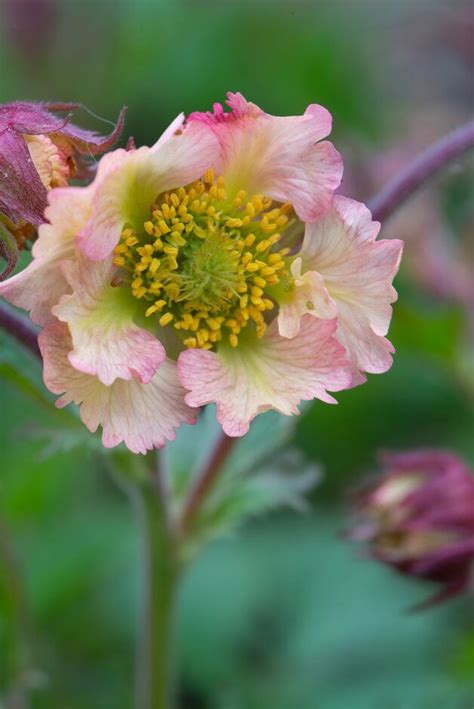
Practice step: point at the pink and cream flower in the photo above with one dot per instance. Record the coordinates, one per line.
(214, 267)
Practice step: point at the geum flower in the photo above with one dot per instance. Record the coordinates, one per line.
(418, 518)
(176, 279)
(40, 150)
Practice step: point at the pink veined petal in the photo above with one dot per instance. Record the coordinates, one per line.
(106, 342)
(358, 273)
(41, 284)
(128, 182)
(143, 416)
(271, 373)
(277, 156)
(308, 296)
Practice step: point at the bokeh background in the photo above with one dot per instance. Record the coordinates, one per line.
(284, 615)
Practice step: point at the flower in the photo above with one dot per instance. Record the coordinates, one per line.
(419, 518)
(180, 277)
(39, 150)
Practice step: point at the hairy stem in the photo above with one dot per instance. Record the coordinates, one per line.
(434, 159)
(205, 480)
(160, 574)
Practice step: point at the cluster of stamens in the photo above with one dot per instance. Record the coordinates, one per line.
(207, 264)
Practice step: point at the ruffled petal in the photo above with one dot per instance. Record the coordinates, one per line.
(128, 182)
(270, 373)
(308, 296)
(41, 284)
(143, 416)
(358, 273)
(277, 156)
(106, 342)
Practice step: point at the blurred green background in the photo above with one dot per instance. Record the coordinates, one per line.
(284, 615)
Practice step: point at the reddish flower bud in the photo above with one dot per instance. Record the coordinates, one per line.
(419, 518)
(40, 149)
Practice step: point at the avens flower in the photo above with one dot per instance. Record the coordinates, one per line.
(418, 518)
(180, 277)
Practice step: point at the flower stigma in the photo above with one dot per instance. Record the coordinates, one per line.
(206, 264)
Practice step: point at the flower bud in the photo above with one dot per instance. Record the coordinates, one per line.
(419, 518)
(41, 149)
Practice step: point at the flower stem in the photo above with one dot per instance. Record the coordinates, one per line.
(436, 157)
(206, 479)
(20, 329)
(160, 574)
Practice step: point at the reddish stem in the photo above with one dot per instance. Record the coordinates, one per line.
(425, 166)
(205, 480)
(20, 329)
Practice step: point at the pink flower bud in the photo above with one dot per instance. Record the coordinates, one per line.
(41, 149)
(419, 518)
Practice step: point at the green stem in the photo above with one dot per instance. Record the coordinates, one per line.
(160, 571)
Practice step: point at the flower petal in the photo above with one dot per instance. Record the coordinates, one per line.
(106, 342)
(270, 373)
(128, 182)
(309, 296)
(41, 284)
(277, 156)
(143, 416)
(358, 273)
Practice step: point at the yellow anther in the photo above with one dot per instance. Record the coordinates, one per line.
(234, 223)
(267, 271)
(120, 249)
(140, 292)
(137, 282)
(252, 267)
(118, 261)
(262, 245)
(208, 176)
(166, 319)
(233, 340)
(131, 241)
(259, 282)
(170, 250)
(269, 304)
(163, 227)
(154, 265)
(149, 228)
(255, 290)
(150, 311)
(190, 342)
(250, 209)
(213, 323)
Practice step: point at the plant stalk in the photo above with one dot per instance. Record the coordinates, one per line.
(434, 159)
(159, 580)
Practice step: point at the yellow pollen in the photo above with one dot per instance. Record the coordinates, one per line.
(204, 262)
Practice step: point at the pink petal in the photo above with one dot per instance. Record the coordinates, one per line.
(358, 273)
(309, 296)
(106, 342)
(277, 156)
(271, 373)
(128, 182)
(143, 416)
(41, 284)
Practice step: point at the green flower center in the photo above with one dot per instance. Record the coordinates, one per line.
(205, 264)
